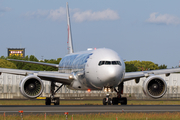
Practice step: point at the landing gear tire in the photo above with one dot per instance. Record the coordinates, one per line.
(109, 101)
(104, 101)
(115, 101)
(48, 101)
(56, 101)
(123, 101)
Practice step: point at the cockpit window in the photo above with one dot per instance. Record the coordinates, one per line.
(101, 63)
(114, 62)
(118, 62)
(109, 63)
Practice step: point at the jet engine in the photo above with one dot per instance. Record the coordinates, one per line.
(154, 86)
(31, 86)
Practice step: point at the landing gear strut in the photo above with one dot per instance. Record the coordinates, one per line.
(119, 99)
(53, 99)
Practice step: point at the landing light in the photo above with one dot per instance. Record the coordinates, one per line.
(71, 77)
(105, 89)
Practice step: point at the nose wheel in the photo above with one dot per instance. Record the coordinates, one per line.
(107, 100)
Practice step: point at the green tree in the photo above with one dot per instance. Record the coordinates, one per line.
(130, 67)
(2, 57)
(163, 66)
(143, 65)
(7, 64)
(33, 58)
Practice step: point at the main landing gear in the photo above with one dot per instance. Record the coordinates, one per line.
(53, 99)
(118, 99)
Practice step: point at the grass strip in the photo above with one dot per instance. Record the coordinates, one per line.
(104, 116)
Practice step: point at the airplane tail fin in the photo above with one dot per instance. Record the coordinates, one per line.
(69, 42)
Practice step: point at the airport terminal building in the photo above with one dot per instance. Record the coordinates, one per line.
(9, 89)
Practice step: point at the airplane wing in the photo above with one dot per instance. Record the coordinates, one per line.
(44, 75)
(40, 63)
(136, 75)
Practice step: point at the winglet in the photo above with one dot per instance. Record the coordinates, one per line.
(69, 42)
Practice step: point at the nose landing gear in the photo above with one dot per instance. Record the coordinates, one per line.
(107, 100)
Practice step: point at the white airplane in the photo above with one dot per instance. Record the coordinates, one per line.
(89, 70)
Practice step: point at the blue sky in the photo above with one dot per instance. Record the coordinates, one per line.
(136, 29)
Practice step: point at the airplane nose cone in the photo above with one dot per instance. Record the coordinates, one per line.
(112, 72)
(109, 75)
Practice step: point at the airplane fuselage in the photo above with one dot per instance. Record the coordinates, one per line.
(94, 69)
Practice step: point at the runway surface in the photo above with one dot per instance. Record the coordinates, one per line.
(83, 109)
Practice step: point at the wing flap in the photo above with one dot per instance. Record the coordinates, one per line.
(55, 77)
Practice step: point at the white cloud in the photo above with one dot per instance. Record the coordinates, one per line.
(5, 9)
(78, 16)
(95, 16)
(163, 19)
(58, 14)
(37, 14)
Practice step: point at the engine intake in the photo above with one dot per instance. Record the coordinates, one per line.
(31, 86)
(154, 86)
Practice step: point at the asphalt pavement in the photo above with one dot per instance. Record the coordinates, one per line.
(84, 109)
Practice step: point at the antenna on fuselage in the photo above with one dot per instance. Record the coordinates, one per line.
(69, 42)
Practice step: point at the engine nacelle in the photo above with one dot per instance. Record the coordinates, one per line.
(31, 86)
(154, 86)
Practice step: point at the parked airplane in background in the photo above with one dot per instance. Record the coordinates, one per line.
(89, 70)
